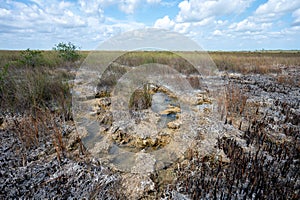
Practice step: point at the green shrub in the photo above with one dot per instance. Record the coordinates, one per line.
(67, 51)
(31, 58)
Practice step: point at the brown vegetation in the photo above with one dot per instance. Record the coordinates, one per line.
(255, 62)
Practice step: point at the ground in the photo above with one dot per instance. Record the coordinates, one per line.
(246, 147)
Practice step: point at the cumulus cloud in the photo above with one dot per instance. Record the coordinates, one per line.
(261, 24)
(278, 6)
(93, 21)
(249, 25)
(91, 6)
(59, 21)
(129, 6)
(153, 1)
(273, 10)
(164, 23)
(183, 28)
(4, 12)
(197, 10)
(217, 33)
(296, 15)
(40, 16)
(167, 23)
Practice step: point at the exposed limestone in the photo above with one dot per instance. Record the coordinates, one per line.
(171, 110)
(174, 124)
(144, 163)
(144, 134)
(203, 98)
(137, 186)
(166, 91)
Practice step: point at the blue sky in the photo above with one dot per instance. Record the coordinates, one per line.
(213, 24)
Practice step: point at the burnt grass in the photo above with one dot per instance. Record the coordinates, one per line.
(270, 170)
(37, 169)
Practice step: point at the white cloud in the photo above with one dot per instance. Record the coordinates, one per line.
(217, 33)
(36, 22)
(183, 28)
(273, 10)
(164, 23)
(204, 22)
(90, 7)
(197, 10)
(220, 22)
(266, 17)
(69, 19)
(153, 1)
(59, 21)
(249, 24)
(278, 7)
(296, 15)
(129, 6)
(4, 12)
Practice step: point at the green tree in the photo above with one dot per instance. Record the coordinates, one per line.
(67, 51)
(31, 57)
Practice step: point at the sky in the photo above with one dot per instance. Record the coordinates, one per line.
(213, 24)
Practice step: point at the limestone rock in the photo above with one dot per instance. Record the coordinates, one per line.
(171, 110)
(145, 163)
(174, 124)
(203, 99)
(137, 186)
(167, 92)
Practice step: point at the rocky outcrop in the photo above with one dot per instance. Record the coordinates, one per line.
(171, 110)
(203, 98)
(174, 124)
(137, 186)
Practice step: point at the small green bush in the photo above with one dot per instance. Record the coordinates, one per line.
(31, 58)
(67, 51)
